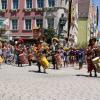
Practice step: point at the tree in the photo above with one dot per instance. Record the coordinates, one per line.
(49, 34)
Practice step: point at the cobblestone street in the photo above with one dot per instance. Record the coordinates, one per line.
(23, 83)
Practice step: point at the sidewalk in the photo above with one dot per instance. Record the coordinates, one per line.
(24, 83)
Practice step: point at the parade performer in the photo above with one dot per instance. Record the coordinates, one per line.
(54, 47)
(80, 58)
(58, 59)
(41, 58)
(66, 57)
(72, 56)
(4, 51)
(90, 52)
(1, 59)
(30, 55)
(20, 56)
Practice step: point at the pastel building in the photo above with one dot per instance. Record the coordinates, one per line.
(87, 21)
(25, 15)
(74, 23)
(22, 15)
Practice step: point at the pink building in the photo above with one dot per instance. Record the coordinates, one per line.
(23, 16)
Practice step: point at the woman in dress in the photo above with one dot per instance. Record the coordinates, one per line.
(19, 50)
(91, 53)
(58, 59)
(4, 51)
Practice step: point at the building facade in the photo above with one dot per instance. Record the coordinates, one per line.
(87, 22)
(25, 15)
(21, 16)
(55, 9)
(93, 20)
(74, 23)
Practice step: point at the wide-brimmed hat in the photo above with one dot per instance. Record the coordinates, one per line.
(35, 28)
(55, 39)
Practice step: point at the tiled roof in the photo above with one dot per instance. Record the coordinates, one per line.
(83, 8)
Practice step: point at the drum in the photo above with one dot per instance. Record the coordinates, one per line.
(30, 56)
(44, 62)
(1, 60)
(96, 62)
(23, 59)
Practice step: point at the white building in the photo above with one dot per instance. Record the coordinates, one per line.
(52, 13)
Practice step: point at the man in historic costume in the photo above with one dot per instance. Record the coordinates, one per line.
(91, 53)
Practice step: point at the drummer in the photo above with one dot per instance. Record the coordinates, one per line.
(91, 53)
(18, 50)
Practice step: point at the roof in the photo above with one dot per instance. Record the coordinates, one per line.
(98, 34)
(83, 8)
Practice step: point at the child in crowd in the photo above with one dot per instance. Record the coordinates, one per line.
(58, 59)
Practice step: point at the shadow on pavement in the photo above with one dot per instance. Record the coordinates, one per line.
(87, 76)
(35, 71)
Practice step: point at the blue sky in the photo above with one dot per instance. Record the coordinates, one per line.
(97, 3)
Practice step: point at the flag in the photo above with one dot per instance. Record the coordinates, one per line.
(6, 22)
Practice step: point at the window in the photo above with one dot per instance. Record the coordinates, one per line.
(14, 24)
(40, 3)
(50, 22)
(39, 22)
(51, 3)
(27, 24)
(15, 4)
(4, 4)
(28, 3)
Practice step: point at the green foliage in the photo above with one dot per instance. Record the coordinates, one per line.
(2, 31)
(49, 34)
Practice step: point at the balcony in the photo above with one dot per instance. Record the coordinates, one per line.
(14, 10)
(3, 10)
(27, 30)
(27, 9)
(38, 9)
(14, 30)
